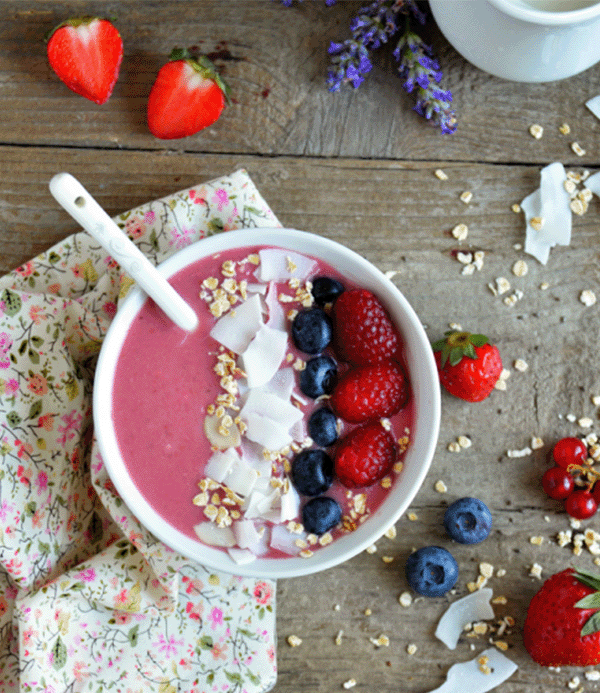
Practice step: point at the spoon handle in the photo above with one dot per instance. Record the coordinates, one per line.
(77, 201)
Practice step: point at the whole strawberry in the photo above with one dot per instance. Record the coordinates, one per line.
(86, 54)
(562, 624)
(187, 96)
(365, 456)
(468, 365)
(370, 392)
(363, 330)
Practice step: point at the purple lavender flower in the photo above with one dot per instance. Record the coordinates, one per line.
(421, 73)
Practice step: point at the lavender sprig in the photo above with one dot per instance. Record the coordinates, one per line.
(421, 74)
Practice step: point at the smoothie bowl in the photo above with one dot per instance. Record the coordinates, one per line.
(235, 444)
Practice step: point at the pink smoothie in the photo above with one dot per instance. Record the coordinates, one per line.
(165, 382)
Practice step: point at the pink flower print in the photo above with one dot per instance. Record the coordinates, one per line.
(41, 482)
(24, 450)
(149, 217)
(5, 345)
(194, 611)
(87, 575)
(220, 198)
(36, 314)
(135, 228)
(3, 606)
(263, 593)
(181, 237)
(5, 509)
(122, 617)
(25, 270)
(110, 262)
(54, 288)
(216, 617)
(72, 422)
(168, 646)
(37, 384)
(46, 422)
(80, 671)
(219, 651)
(11, 386)
(121, 597)
(77, 271)
(110, 308)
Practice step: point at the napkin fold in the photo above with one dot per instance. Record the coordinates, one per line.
(89, 599)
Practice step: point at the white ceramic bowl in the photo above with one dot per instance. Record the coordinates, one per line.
(425, 392)
(521, 40)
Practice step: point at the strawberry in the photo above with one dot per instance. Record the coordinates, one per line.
(187, 96)
(365, 455)
(86, 54)
(468, 364)
(563, 623)
(370, 392)
(363, 330)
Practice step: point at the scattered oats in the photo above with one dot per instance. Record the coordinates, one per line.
(306, 553)
(587, 297)
(501, 599)
(564, 129)
(480, 628)
(390, 274)
(536, 541)
(464, 441)
(337, 607)
(460, 232)
(350, 683)
(536, 131)
(391, 533)
(440, 174)
(381, 641)
(387, 559)
(371, 549)
(536, 443)
(486, 570)
(521, 365)
(454, 446)
(571, 418)
(478, 258)
(501, 572)
(574, 522)
(405, 599)
(544, 286)
(516, 208)
(596, 400)
(585, 195)
(294, 641)
(519, 268)
(535, 571)
(464, 258)
(368, 612)
(455, 326)
(578, 149)
(570, 186)
(411, 648)
(412, 517)
(502, 285)
(466, 196)
(574, 682)
(468, 270)
(592, 675)
(338, 637)
(578, 207)
(501, 645)
(585, 422)
(440, 486)
(536, 223)
(519, 453)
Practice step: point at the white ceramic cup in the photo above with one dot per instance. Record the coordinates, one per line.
(523, 40)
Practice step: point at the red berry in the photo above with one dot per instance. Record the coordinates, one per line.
(569, 451)
(363, 331)
(558, 483)
(365, 455)
(581, 504)
(370, 392)
(596, 493)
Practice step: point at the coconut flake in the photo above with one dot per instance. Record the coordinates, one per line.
(281, 265)
(468, 676)
(213, 535)
(219, 464)
(290, 504)
(237, 328)
(276, 313)
(240, 477)
(271, 406)
(241, 556)
(246, 534)
(474, 607)
(263, 356)
(593, 183)
(594, 105)
(270, 434)
(285, 541)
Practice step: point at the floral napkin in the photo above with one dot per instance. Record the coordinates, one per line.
(89, 599)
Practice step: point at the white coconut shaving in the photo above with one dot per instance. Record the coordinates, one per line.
(475, 677)
(594, 105)
(592, 183)
(474, 607)
(547, 214)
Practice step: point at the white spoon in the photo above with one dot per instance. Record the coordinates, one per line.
(77, 201)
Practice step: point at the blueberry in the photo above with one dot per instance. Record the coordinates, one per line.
(468, 520)
(431, 571)
(312, 330)
(322, 427)
(326, 290)
(312, 472)
(321, 514)
(319, 377)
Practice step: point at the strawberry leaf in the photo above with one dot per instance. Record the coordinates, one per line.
(456, 345)
(590, 579)
(478, 340)
(591, 601)
(592, 625)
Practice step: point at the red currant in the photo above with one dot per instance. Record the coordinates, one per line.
(558, 483)
(569, 451)
(581, 504)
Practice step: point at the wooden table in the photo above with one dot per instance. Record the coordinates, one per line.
(357, 167)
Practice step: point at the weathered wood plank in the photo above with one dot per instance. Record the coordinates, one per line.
(399, 215)
(275, 60)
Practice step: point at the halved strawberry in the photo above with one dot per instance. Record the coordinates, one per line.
(86, 54)
(187, 96)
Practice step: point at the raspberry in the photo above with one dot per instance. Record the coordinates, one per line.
(363, 331)
(370, 392)
(365, 455)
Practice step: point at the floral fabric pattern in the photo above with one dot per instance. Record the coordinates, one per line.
(89, 599)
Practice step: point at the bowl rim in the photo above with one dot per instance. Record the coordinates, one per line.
(424, 435)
